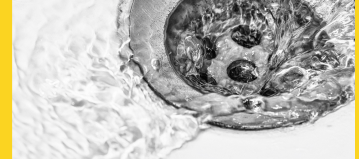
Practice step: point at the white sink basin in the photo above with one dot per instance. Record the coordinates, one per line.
(331, 137)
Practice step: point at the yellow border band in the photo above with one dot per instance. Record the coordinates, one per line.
(6, 79)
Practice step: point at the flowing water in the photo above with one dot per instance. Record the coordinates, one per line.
(76, 93)
(73, 97)
(283, 60)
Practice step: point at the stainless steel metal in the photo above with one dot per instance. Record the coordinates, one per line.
(148, 20)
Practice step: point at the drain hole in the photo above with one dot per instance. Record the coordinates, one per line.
(245, 36)
(242, 71)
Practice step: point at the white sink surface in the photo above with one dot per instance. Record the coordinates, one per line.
(332, 137)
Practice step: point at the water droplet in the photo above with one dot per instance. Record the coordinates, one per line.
(156, 64)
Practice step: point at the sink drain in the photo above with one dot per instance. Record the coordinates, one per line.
(246, 64)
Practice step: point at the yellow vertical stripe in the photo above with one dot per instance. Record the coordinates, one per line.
(6, 79)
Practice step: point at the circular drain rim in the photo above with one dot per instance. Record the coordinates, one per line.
(148, 71)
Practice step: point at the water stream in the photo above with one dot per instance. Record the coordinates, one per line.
(77, 92)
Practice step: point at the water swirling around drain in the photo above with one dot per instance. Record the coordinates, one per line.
(259, 64)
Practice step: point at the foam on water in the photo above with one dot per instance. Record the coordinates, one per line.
(73, 97)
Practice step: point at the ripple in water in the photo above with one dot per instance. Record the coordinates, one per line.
(73, 97)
